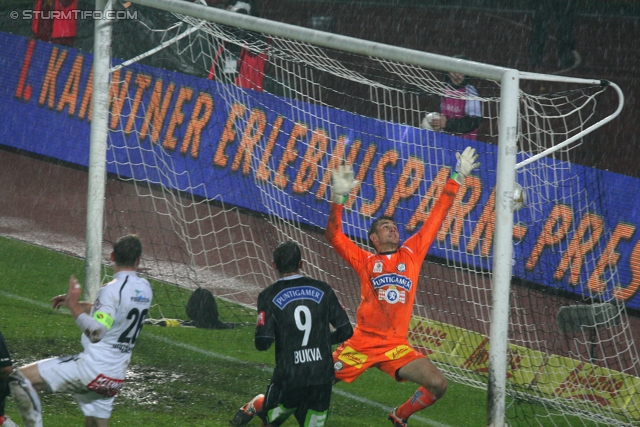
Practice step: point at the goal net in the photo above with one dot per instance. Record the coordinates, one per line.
(221, 142)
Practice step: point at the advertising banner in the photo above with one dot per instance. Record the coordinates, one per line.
(248, 148)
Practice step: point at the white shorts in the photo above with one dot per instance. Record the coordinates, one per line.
(94, 393)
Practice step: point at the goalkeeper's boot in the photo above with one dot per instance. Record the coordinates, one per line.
(248, 411)
(396, 420)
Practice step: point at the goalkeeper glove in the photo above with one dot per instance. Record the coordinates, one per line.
(342, 183)
(466, 164)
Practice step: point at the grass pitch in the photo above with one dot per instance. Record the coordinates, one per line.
(183, 376)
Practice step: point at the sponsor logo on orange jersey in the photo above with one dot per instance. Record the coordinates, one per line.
(392, 280)
(398, 352)
(377, 267)
(352, 357)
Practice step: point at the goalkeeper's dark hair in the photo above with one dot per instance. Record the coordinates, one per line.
(287, 257)
(373, 228)
(127, 250)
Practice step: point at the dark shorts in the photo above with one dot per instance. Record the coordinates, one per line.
(310, 405)
(5, 361)
(5, 357)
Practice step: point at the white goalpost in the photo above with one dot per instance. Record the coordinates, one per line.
(98, 152)
(525, 302)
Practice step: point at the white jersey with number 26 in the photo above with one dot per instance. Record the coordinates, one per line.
(126, 299)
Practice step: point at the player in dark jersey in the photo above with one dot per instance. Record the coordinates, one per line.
(296, 313)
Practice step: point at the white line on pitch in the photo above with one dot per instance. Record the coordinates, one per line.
(233, 359)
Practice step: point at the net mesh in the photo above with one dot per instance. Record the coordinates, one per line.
(213, 173)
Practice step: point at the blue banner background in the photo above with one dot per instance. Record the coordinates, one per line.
(60, 132)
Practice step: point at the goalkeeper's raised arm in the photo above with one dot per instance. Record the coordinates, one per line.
(422, 240)
(342, 182)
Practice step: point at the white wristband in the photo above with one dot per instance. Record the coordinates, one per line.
(92, 329)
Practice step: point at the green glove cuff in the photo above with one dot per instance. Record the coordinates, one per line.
(340, 200)
(458, 177)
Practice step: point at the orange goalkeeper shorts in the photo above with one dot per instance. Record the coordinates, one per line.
(363, 351)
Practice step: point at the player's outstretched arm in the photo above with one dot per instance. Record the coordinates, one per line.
(466, 164)
(91, 327)
(423, 239)
(72, 298)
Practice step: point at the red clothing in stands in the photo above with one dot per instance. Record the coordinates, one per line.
(55, 21)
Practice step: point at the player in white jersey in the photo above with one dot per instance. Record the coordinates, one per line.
(110, 327)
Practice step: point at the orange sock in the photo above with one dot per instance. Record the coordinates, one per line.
(258, 402)
(421, 399)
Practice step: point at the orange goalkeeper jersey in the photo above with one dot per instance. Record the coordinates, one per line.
(388, 281)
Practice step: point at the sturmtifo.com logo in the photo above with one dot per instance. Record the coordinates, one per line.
(76, 14)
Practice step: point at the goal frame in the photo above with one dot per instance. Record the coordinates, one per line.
(508, 78)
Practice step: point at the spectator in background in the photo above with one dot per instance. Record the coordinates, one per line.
(237, 64)
(55, 21)
(6, 367)
(460, 108)
(544, 11)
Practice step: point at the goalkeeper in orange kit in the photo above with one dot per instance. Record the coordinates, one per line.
(388, 283)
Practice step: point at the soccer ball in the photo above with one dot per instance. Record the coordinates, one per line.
(426, 122)
(519, 197)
